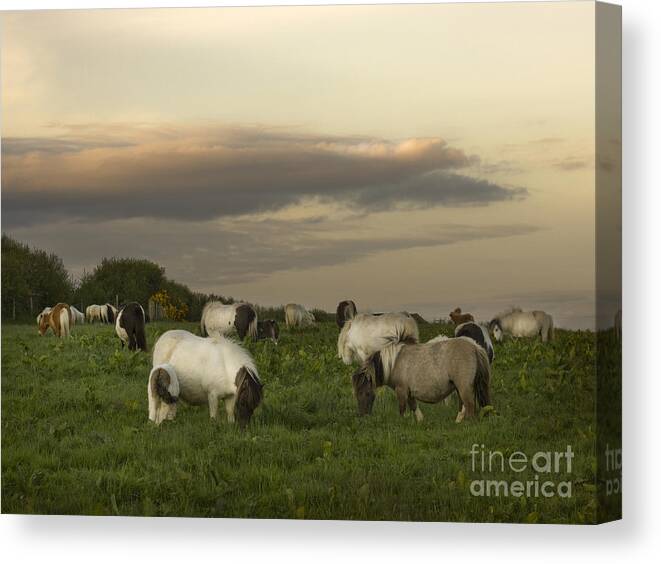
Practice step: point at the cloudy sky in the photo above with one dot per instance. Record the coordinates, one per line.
(409, 157)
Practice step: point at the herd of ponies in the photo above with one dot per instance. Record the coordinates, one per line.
(206, 368)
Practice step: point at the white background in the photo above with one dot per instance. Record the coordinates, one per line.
(636, 538)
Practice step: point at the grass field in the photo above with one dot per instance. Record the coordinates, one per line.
(76, 438)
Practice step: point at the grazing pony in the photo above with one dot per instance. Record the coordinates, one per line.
(130, 326)
(58, 319)
(202, 371)
(268, 329)
(345, 310)
(520, 323)
(458, 318)
(93, 313)
(220, 319)
(429, 373)
(77, 316)
(297, 316)
(479, 334)
(368, 333)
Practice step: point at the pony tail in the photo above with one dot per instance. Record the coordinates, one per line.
(64, 322)
(482, 377)
(551, 333)
(140, 338)
(164, 384)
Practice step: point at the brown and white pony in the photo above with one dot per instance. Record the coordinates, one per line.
(58, 319)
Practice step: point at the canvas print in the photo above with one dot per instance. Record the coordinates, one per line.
(313, 262)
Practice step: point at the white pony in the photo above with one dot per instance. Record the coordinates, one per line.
(221, 319)
(77, 315)
(520, 323)
(202, 371)
(297, 316)
(93, 313)
(368, 333)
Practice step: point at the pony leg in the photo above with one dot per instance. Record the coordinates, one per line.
(467, 396)
(152, 405)
(213, 405)
(402, 399)
(413, 406)
(229, 408)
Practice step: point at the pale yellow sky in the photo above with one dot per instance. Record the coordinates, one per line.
(499, 212)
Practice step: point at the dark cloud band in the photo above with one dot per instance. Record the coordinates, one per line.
(199, 174)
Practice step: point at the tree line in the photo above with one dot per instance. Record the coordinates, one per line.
(33, 279)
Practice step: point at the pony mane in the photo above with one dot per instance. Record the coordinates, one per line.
(389, 353)
(439, 339)
(509, 311)
(233, 350)
(388, 356)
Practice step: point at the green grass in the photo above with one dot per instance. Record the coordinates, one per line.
(76, 438)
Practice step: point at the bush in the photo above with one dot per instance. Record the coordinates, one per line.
(31, 280)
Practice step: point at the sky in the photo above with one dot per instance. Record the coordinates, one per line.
(418, 157)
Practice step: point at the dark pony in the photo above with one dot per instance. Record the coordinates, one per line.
(268, 329)
(131, 326)
(479, 334)
(244, 319)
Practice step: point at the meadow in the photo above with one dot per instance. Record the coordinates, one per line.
(76, 438)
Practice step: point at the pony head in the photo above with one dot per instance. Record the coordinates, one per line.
(268, 329)
(43, 324)
(363, 388)
(249, 392)
(163, 393)
(366, 380)
(496, 329)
